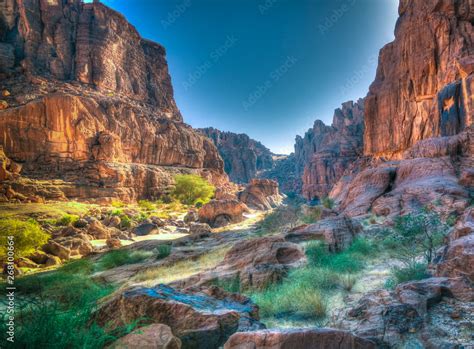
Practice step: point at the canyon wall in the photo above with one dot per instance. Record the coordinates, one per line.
(88, 102)
(419, 132)
(243, 157)
(424, 85)
(325, 152)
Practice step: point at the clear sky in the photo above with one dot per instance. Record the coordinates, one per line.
(267, 68)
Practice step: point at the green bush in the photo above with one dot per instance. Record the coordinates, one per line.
(117, 258)
(191, 189)
(67, 219)
(230, 285)
(327, 202)
(146, 205)
(419, 233)
(410, 272)
(125, 221)
(163, 251)
(27, 236)
(313, 216)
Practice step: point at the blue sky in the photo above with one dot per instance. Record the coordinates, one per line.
(267, 68)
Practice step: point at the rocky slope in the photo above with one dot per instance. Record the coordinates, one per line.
(88, 101)
(325, 152)
(243, 157)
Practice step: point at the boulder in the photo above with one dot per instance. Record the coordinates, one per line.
(320, 338)
(191, 217)
(203, 318)
(56, 249)
(98, 230)
(113, 243)
(218, 213)
(338, 232)
(154, 336)
(145, 229)
(457, 259)
(261, 194)
(199, 230)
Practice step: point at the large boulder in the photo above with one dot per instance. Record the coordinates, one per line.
(338, 232)
(457, 259)
(261, 194)
(218, 213)
(201, 318)
(253, 264)
(154, 336)
(320, 338)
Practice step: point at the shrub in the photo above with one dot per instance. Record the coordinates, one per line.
(117, 258)
(117, 203)
(419, 233)
(146, 205)
(192, 188)
(125, 221)
(163, 251)
(327, 202)
(314, 215)
(409, 272)
(66, 220)
(27, 236)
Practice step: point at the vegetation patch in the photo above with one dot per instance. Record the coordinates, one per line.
(192, 189)
(28, 236)
(118, 258)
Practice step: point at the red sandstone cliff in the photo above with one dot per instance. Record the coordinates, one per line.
(89, 102)
(244, 158)
(424, 82)
(326, 152)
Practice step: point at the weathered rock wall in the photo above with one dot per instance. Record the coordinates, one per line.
(424, 82)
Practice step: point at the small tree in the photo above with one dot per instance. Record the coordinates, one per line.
(191, 189)
(420, 233)
(27, 236)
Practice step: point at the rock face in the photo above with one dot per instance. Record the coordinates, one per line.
(326, 152)
(424, 78)
(388, 318)
(261, 194)
(298, 339)
(243, 157)
(285, 173)
(91, 103)
(203, 318)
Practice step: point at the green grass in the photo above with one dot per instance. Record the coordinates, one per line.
(43, 211)
(230, 285)
(67, 219)
(163, 251)
(54, 310)
(118, 258)
(412, 272)
(304, 292)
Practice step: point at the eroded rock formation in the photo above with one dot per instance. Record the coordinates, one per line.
(243, 157)
(261, 194)
(326, 152)
(90, 102)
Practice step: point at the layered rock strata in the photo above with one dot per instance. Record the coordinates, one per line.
(90, 103)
